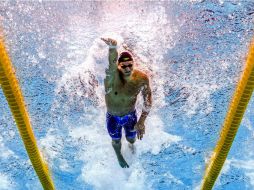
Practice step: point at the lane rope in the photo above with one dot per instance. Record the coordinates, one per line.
(232, 122)
(12, 92)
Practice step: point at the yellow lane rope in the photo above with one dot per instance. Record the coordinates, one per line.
(16, 103)
(232, 121)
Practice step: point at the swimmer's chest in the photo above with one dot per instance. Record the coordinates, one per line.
(123, 93)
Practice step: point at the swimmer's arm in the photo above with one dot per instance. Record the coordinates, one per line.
(112, 59)
(147, 96)
(111, 70)
(112, 54)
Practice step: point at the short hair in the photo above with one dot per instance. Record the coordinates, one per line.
(125, 56)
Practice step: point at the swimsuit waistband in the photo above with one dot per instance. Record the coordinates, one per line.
(130, 113)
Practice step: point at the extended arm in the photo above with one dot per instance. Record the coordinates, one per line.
(113, 54)
(112, 58)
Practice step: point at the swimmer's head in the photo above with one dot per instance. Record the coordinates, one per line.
(125, 63)
(125, 56)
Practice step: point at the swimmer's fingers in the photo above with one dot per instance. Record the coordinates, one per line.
(105, 40)
(109, 41)
(141, 134)
(138, 134)
(140, 131)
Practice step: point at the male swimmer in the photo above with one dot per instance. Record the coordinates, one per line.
(122, 85)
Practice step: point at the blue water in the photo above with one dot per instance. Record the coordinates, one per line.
(194, 53)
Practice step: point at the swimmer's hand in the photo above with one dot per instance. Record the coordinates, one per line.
(109, 41)
(140, 128)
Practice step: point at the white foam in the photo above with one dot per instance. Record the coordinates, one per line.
(51, 147)
(199, 94)
(101, 168)
(6, 183)
(247, 165)
(5, 153)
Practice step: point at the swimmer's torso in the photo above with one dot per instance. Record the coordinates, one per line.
(121, 98)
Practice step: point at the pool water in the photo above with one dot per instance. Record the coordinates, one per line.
(194, 53)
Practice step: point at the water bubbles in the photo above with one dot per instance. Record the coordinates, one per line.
(192, 52)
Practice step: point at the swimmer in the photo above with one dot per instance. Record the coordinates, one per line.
(122, 84)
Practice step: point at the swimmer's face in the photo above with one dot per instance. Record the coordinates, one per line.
(126, 67)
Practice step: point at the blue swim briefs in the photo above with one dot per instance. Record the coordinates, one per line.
(116, 123)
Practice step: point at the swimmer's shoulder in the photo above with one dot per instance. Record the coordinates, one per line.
(140, 76)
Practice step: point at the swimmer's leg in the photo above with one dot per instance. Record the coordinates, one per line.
(131, 144)
(131, 140)
(117, 147)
